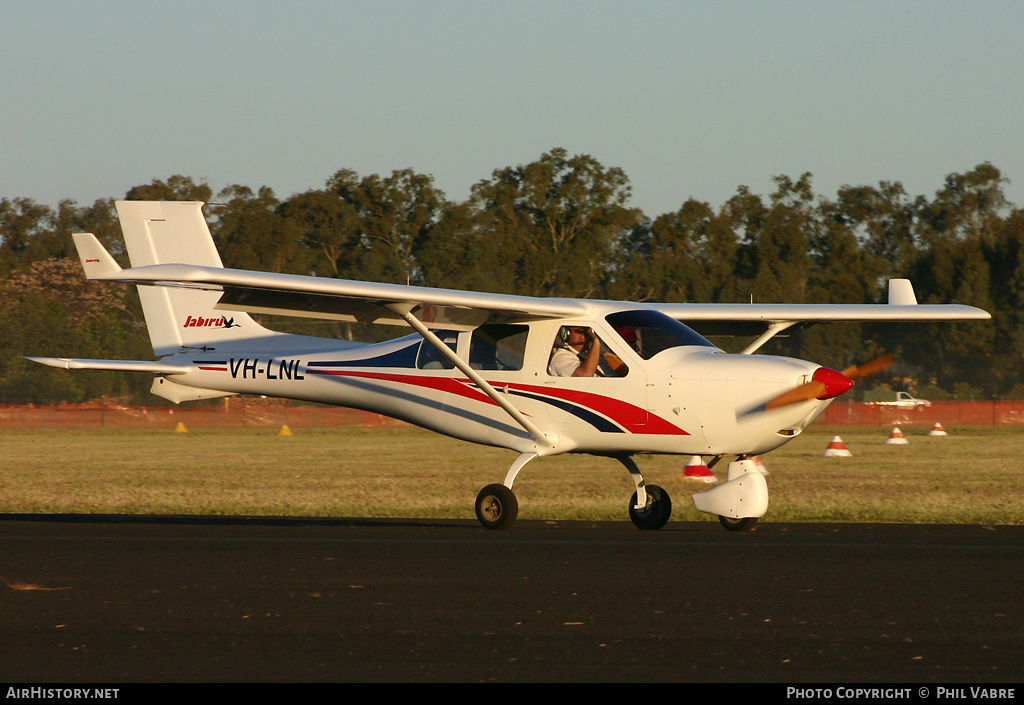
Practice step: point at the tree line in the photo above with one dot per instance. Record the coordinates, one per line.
(559, 226)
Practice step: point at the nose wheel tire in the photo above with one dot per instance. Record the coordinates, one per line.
(496, 507)
(657, 512)
(742, 524)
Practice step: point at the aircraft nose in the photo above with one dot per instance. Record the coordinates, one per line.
(824, 384)
(833, 383)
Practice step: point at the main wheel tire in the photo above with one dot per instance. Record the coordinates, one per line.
(742, 524)
(496, 507)
(657, 512)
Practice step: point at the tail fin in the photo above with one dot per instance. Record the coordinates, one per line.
(163, 232)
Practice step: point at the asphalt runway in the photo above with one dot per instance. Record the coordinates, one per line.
(182, 599)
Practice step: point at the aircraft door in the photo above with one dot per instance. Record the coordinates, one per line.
(438, 381)
(607, 397)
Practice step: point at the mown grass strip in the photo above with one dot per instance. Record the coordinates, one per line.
(971, 476)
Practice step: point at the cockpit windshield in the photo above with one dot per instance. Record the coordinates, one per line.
(650, 332)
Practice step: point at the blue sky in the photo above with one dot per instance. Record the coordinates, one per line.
(690, 99)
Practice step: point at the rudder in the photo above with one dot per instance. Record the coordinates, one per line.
(164, 232)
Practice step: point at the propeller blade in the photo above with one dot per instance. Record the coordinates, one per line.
(824, 384)
(856, 372)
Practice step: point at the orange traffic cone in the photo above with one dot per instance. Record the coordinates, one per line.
(896, 437)
(937, 430)
(837, 449)
(697, 470)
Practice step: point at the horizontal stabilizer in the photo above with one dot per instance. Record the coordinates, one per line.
(153, 367)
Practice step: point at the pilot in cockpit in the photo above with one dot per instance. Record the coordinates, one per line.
(571, 356)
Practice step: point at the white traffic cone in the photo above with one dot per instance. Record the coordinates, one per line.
(837, 449)
(698, 471)
(896, 437)
(937, 430)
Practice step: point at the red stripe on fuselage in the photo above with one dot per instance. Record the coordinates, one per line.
(441, 384)
(629, 416)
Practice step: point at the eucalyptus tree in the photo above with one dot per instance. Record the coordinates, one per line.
(176, 188)
(553, 223)
(50, 307)
(954, 271)
(773, 263)
(968, 205)
(955, 231)
(883, 221)
(22, 221)
(1005, 255)
(393, 216)
(251, 233)
(687, 255)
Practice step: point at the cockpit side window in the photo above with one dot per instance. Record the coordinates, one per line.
(430, 358)
(650, 332)
(498, 347)
(571, 347)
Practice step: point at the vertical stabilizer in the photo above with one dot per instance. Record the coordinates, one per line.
(166, 232)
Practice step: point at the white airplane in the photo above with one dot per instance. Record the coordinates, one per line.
(477, 365)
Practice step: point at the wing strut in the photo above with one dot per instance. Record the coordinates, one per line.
(774, 328)
(405, 311)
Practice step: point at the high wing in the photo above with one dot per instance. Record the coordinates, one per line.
(902, 306)
(372, 302)
(170, 246)
(768, 320)
(343, 299)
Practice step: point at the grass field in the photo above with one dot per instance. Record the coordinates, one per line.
(974, 475)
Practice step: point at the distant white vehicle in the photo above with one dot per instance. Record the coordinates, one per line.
(904, 400)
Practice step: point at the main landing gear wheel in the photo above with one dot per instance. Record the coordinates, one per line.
(655, 515)
(742, 524)
(496, 507)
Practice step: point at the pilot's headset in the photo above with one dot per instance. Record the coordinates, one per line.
(563, 338)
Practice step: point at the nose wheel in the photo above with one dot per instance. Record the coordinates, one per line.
(742, 524)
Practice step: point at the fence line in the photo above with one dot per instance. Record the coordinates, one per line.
(233, 416)
(258, 414)
(947, 413)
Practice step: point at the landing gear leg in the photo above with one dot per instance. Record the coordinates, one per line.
(650, 507)
(496, 505)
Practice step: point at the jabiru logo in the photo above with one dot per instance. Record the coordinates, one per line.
(200, 322)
